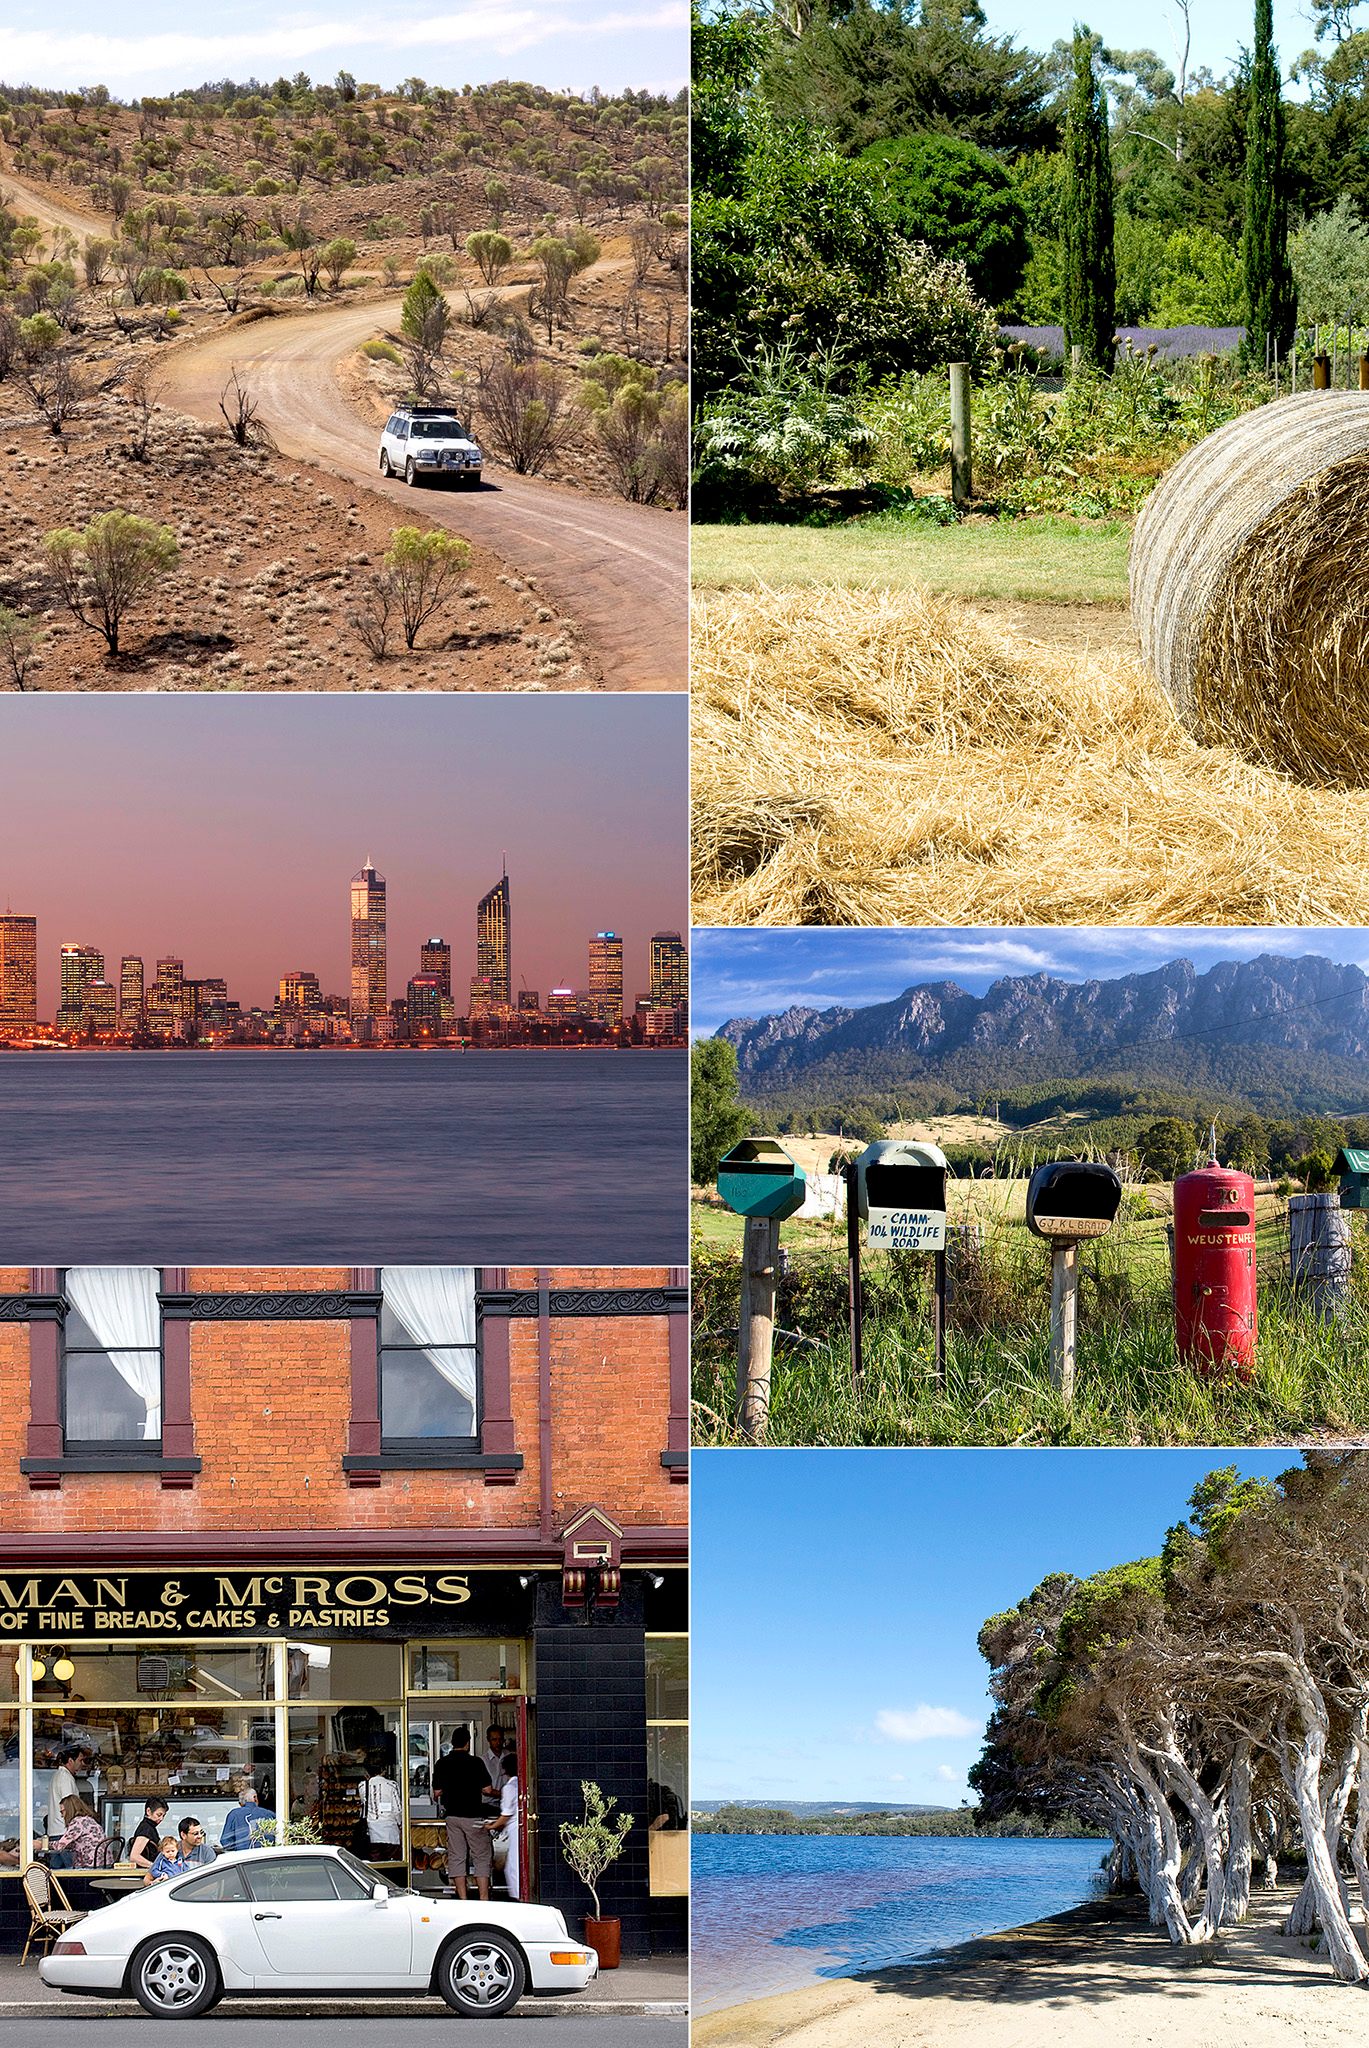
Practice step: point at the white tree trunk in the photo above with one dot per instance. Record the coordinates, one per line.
(1323, 1879)
(1239, 1853)
(1166, 1852)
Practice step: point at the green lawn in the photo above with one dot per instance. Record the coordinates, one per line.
(1046, 560)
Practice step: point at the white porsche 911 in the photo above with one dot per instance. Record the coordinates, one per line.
(310, 1920)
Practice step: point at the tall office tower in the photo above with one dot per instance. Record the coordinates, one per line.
(670, 974)
(80, 966)
(169, 991)
(132, 989)
(435, 957)
(102, 1006)
(425, 1006)
(208, 1004)
(492, 953)
(370, 996)
(606, 977)
(300, 994)
(18, 972)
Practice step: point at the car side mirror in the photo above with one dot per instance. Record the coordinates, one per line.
(380, 1894)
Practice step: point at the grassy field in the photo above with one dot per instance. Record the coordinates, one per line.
(1044, 560)
(1311, 1381)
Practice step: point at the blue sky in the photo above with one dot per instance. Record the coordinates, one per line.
(838, 1594)
(155, 45)
(753, 973)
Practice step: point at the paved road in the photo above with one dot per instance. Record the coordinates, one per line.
(240, 2030)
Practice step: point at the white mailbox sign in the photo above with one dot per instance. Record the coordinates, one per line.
(906, 1230)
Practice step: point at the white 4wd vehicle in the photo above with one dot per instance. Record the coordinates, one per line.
(428, 441)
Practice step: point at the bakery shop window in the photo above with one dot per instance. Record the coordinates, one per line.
(667, 1763)
(429, 1382)
(333, 1754)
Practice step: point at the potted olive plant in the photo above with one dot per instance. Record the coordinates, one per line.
(589, 1846)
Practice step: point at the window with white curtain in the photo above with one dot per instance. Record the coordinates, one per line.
(112, 1356)
(429, 1384)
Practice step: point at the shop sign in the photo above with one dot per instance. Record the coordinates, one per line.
(254, 1603)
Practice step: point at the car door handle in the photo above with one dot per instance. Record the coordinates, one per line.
(266, 1916)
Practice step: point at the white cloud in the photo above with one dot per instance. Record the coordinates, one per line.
(922, 1723)
(949, 1775)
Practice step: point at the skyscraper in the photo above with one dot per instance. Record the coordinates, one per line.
(169, 991)
(606, 977)
(425, 1006)
(300, 994)
(18, 972)
(370, 987)
(81, 965)
(132, 989)
(492, 946)
(102, 1006)
(670, 974)
(435, 957)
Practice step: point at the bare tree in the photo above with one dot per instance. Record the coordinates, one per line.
(20, 645)
(526, 411)
(142, 390)
(371, 615)
(242, 413)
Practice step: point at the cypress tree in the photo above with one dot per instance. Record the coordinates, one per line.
(1090, 268)
(1269, 290)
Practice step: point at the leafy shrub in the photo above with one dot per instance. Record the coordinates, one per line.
(788, 429)
(960, 201)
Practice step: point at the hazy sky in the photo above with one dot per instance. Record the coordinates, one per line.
(752, 973)
(1220, 27)
(226, 829)
(155, 46)
(838, 1595)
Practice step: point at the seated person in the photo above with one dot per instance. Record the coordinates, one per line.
(83, 1844)
(245, 1826)
(167, 1862)
(195, 1850)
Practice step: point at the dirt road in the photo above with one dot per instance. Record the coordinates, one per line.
(48, 212)
(620, 570)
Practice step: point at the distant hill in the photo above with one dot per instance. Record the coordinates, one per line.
(809, 1809)
(1282, 1034)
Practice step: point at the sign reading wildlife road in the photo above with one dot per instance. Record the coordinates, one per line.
(906, 1230)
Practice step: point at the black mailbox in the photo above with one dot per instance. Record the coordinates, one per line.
(1070, 1199)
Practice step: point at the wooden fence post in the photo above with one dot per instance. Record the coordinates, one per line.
(1064, 1318)
(962, 474)
(756, 1333)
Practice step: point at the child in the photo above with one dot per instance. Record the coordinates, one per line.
(168, 1862)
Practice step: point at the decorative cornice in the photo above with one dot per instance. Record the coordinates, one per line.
(335, 1306)
(644, 1545)
(589, 1302)
(32, 1308)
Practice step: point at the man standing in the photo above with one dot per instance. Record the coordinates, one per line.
(73, 1763)
(194, 1848)
(244, 1827)
(495, 1760)
(461, 1783)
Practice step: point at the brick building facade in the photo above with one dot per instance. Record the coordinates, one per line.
(400, 1524)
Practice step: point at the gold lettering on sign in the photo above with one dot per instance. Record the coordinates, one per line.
(453, 1589)
(309, 1590)
(28, 1594)
(378, 1591)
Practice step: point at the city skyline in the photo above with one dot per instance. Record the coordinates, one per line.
(240, 870)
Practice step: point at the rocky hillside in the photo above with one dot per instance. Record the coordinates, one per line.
(1298, 1024)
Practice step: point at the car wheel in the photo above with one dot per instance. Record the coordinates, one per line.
(482, 1974)
(385, 462)
(175, 1977)
(410, 473)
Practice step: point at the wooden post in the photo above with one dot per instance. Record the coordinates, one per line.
(1319, 1252)
(854, 1304)
(756, 1335)
(939, 1316)
(1364, 373)
(1064, 1318)
(1321, 371)
(962, 474)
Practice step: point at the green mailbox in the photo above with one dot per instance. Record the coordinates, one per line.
(758, 1178)
(1353, 1168)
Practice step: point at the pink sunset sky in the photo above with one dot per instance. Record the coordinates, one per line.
(226, 829)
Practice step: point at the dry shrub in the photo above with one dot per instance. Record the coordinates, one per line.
(871, 757)
(1248, 587)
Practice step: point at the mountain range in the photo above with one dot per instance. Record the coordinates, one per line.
(1276, 1030)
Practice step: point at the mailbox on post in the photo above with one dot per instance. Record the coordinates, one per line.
(902, 1196)
(1214, 1270)
(1353, 1167)
(758, 1178)
(759, 1181)
(1069, 1201)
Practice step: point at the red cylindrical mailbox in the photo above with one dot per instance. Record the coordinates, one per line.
(1214, 1270)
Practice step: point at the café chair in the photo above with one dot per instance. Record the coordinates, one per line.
(50, 1910)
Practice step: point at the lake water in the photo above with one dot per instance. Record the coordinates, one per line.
(771, 1913)
(503, 1158)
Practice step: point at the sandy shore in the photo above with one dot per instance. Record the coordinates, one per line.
(1097, 1977)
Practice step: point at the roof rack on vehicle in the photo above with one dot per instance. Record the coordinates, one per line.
(441, 412)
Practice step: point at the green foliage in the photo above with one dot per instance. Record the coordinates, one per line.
(787, 429)
(727, 51)
(717, 1117)
(1269, 287)
(593, 1842)
(1330, 260)
(378, 350)
(961, 202)
(956, 1822)
(104, 570)
(1089, 269)
(424, 567)
(1200, 282)
(490, 252)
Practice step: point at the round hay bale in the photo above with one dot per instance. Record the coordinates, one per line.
(1249, 587)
